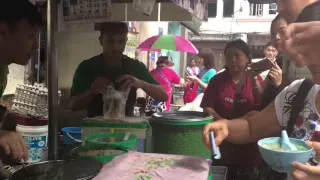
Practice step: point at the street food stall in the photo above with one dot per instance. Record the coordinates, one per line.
(164, 146)
(85, 162)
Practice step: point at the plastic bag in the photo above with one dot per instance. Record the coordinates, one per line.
(114, 103)
(193, 106)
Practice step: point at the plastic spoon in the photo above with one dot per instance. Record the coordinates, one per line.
(215, 150)
(285, 143)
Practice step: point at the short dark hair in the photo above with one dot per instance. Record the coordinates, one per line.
(113, 28)
(241, 45)
(162, 60)
(13, 11)
(276, 19)
(268, 44)
(208, 58)
(190, 60)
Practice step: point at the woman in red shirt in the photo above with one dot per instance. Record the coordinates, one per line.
(218, 101)
(166, 77)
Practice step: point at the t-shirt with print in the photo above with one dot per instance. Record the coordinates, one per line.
(205, 75)
(220, 93)
(302, 128)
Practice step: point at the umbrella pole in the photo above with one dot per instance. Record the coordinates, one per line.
(52, 78)
(126, 12)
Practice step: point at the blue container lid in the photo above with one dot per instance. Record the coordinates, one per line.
(71, 130)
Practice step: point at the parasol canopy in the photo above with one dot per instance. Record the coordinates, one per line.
(168, 42)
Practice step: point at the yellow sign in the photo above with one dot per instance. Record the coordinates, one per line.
(131, 45)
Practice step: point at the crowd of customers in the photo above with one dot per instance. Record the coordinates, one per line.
(247, 107)
(291, 34)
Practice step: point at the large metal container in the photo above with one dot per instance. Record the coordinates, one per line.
(179, 133)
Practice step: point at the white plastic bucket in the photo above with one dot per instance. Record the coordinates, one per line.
(36, 138)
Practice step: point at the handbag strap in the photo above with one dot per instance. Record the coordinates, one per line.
(296, 105)
(164, 77)
(202, 74)
(237, 95)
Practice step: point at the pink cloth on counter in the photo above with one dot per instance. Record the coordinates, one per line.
(172, 77)
(135, 165)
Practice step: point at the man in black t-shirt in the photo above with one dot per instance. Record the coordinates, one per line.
(111, 68)
(19, 28)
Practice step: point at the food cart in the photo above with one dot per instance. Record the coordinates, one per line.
(185, 14)
(52, 74)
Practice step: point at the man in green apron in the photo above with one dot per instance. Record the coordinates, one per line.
(19, 28)
(94, 75)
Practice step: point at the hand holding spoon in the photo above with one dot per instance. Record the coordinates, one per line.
(216, 154)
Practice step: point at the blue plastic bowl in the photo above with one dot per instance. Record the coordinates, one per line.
(71, 135)
(282, 161)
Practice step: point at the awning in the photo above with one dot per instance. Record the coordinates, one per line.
(122, 10)
(262, 1)
(193, 26)
(198, 8)
(214, 37)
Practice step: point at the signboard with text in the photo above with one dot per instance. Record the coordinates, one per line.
(79, 10)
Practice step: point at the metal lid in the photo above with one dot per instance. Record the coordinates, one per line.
(81, 168)
(75, 169)
(182, 118)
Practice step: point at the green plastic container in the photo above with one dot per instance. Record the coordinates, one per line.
(113, 139)
(179, 133)
(138, 126)
(117, 150)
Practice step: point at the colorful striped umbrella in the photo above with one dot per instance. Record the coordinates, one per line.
(168, 42)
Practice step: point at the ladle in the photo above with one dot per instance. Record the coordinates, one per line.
(285, 142)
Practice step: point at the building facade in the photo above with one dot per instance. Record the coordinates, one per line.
(233, 19)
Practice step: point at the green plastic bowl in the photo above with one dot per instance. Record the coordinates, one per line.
(131, 143)
(103, 158)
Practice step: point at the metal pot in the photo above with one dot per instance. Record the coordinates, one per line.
(75, 169)
(34, 171)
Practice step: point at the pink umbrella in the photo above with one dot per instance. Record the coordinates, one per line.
(168, 42)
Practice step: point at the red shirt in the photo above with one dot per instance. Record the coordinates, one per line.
(219, 96)
(167, 78)
(220, 93)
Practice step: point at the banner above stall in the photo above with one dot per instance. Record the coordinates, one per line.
(75, 11)
(261, 1)
(198, 8)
